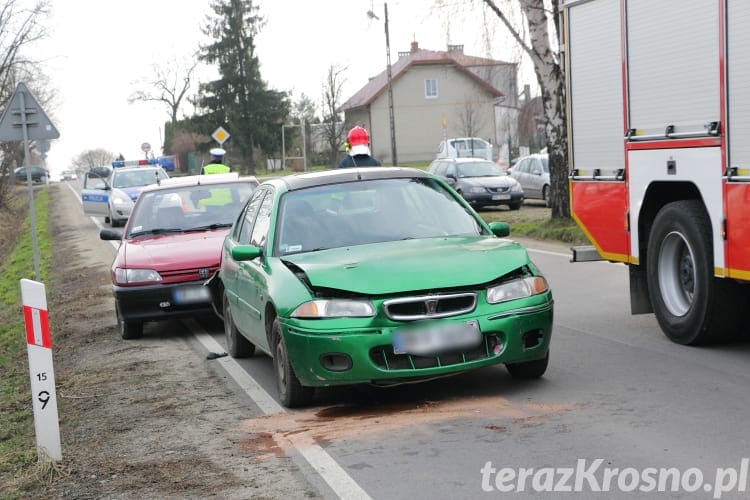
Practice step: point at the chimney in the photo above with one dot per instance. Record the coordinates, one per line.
(414, 46)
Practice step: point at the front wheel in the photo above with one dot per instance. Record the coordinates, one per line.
(529, 369)
(291, 392)
(129, 330)
(692, 306)
(515, 206)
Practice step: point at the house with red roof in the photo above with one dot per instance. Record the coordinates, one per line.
(436, 95)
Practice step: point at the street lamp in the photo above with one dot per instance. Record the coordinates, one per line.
(372, 15)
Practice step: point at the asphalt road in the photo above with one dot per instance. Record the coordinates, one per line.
(621, 412)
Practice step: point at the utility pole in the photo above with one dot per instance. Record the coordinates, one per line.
(371, 15)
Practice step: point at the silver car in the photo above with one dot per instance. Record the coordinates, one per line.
(533, 173)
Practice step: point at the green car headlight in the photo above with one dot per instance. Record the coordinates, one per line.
(334, 308)
(136, 275)
(517, 289)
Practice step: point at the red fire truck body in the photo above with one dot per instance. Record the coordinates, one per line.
(658, 103)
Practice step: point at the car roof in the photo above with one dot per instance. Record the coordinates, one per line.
(343, 175)
(466, 159)
(201, 180)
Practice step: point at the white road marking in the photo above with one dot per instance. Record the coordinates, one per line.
(332, 473)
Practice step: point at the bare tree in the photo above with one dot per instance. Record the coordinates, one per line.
(168, 85)
(20, 25)
(470, 117)
(333, 131)
(93, 158)
(541, 47)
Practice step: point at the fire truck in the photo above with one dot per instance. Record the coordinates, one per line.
(658, 107)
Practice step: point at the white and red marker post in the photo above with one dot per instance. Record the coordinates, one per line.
(39, 348)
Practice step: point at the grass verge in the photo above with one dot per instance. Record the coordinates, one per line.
(18, 455)
(533, 221)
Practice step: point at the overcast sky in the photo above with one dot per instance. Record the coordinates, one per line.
(97, 50)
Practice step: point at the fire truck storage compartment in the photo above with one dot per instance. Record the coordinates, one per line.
(738, 91)
(597, 126)
(673, 81)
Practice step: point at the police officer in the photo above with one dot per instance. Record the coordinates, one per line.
(216, 164)
(359, 152)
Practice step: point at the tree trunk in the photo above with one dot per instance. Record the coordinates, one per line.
(552, 84)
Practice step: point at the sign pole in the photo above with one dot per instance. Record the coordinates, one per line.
(39, 348)
(32, 213)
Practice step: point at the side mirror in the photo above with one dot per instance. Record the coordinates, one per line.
(536, 172)
(110, 234)
(245, 252)
(500, 229)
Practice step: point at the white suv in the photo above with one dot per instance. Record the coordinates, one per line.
(465, 147)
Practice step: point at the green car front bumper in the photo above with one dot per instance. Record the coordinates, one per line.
(352, 351)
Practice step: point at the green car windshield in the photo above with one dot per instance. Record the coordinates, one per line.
(359, 213)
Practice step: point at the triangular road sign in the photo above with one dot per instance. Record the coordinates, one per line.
(24, 108)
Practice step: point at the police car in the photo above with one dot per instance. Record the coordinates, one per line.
(112, 192)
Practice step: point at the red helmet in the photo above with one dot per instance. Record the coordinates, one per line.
(358, 136)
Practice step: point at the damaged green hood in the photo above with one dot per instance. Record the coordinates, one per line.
(420, 264)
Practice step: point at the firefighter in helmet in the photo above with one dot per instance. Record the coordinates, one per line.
(359, 152)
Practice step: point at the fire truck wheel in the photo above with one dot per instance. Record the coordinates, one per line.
(692, 306)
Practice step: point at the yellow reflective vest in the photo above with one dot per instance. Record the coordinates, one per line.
(216, 168)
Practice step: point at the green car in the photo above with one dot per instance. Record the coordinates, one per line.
(378, 276)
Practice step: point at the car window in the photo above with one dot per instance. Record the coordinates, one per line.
(188, 207)
(369, 212)
(535, 166)
(479, 169)
(545, 163)
(262, 222)
(450, 169)
(136, 178)
(248, 219)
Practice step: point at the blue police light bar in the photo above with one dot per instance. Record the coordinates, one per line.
(133, 163)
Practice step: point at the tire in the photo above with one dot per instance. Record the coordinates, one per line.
(237, 345)
(129, 330)
(529, 369)
(692, 306)
(515, 206)
(106, 220)
(545, 195)
(291, 392)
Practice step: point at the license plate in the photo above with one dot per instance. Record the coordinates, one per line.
(429, 339)
(191, 294)
(501, 197)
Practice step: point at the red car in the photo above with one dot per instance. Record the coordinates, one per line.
(171, 245)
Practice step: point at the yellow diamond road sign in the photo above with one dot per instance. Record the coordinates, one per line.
(220, 135)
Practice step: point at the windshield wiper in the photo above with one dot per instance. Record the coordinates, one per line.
(215, 225)
(155, 231)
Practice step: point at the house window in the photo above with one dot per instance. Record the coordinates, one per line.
(430, 88)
